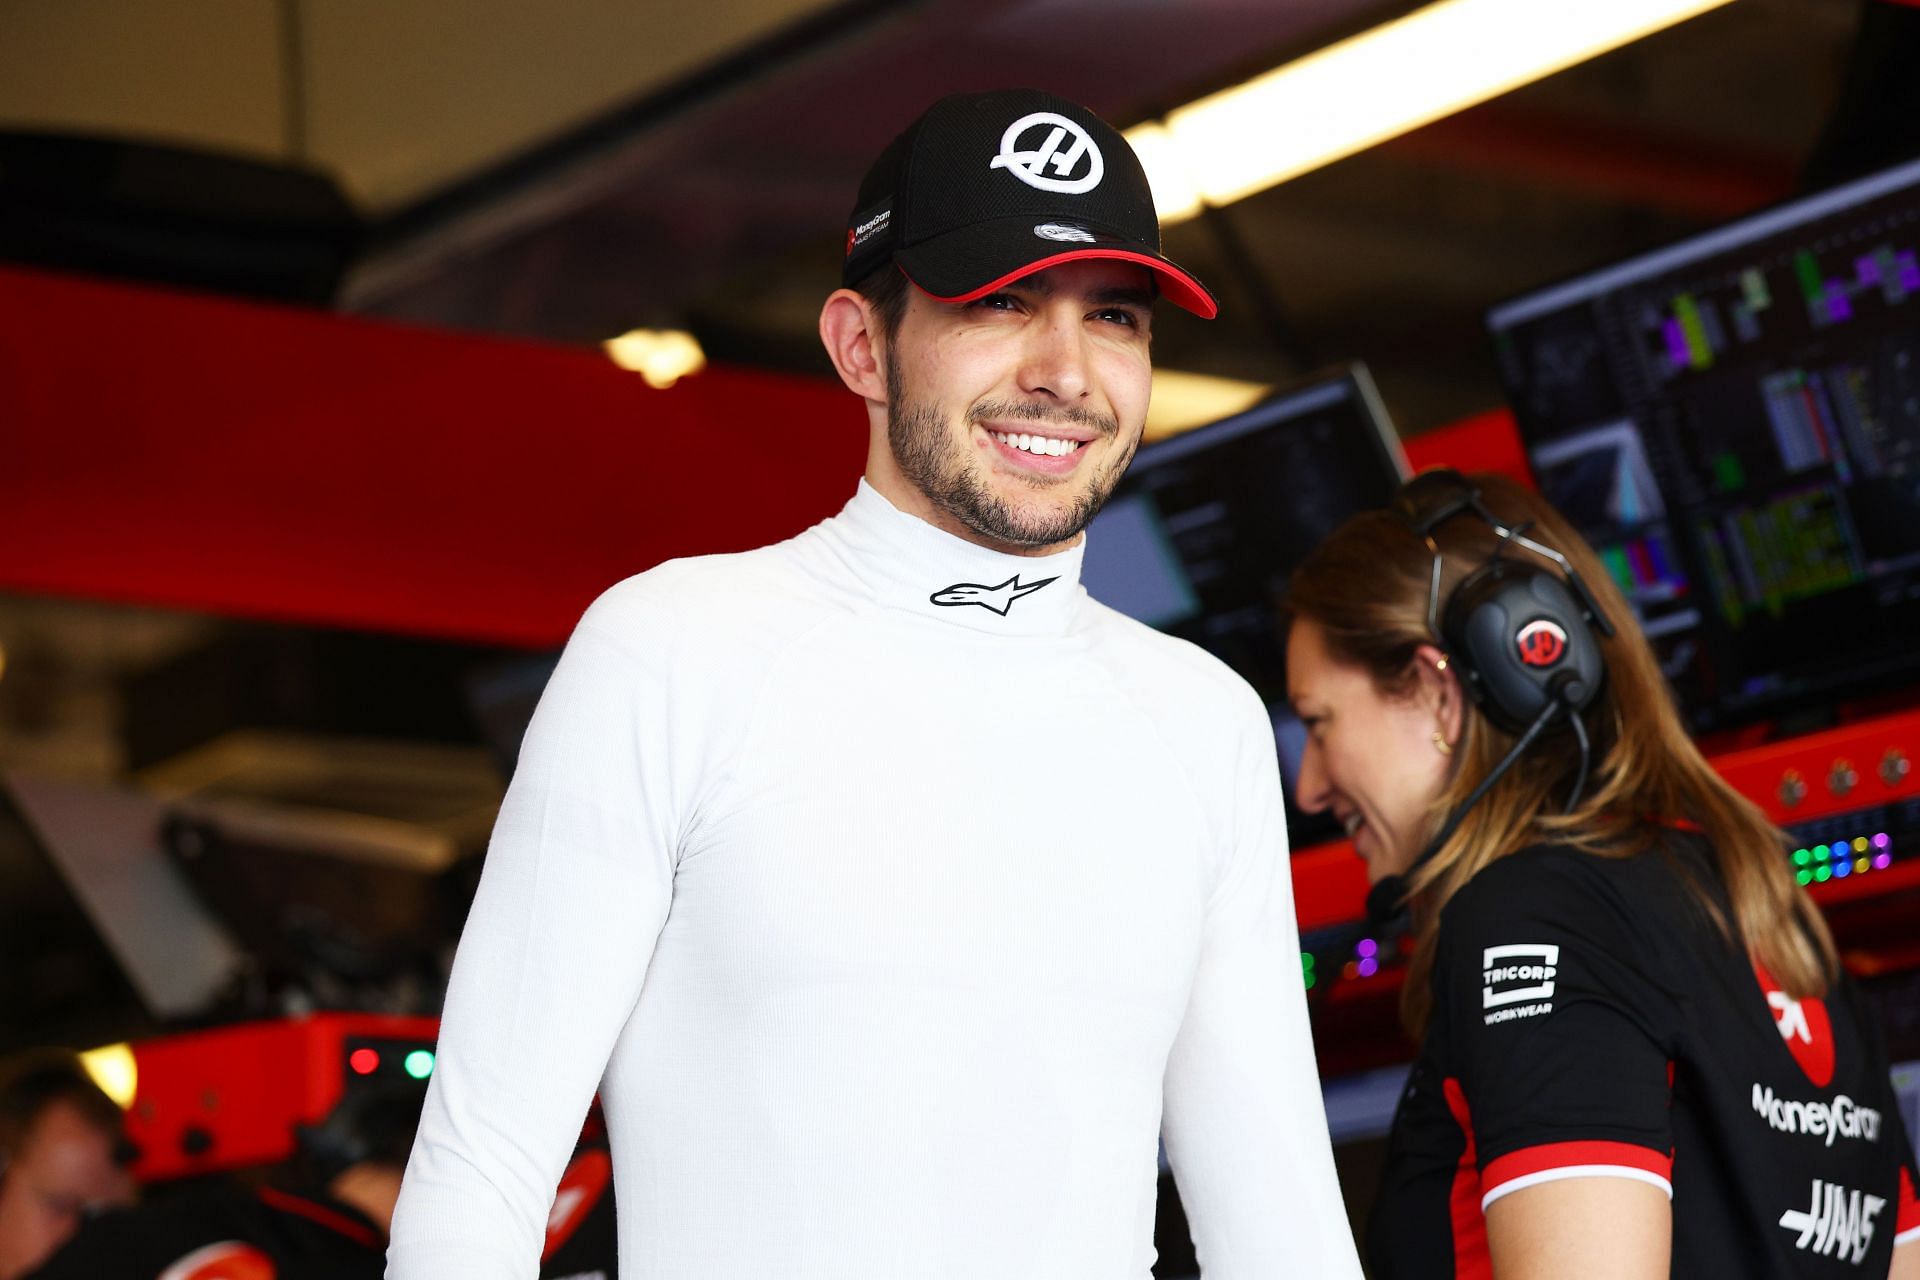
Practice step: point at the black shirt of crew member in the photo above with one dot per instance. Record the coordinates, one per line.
(1588, 1017)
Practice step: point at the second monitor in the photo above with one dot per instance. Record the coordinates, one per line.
(1201, 537)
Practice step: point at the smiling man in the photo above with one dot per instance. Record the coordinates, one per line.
(895, 895)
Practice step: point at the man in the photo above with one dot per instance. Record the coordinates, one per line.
(60, 1148)
(893, 893)
(324, 1216)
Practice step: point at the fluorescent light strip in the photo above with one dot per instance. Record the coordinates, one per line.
(1438, 60)
(1182, 401)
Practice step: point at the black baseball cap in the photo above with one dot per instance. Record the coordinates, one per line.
(985, 188)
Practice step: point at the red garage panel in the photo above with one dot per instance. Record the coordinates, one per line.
(179, 450)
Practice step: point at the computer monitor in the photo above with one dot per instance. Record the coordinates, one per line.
(1734, 422)
(1200, 538)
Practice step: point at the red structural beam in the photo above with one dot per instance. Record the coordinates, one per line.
(171, 449)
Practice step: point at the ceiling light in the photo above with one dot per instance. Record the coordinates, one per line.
(661, 356)
(1174, 195)
(114, 1070)
(1185, 400)
(1349, 96)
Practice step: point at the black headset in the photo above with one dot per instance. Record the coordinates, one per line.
(1521, 638)
(1519, 635)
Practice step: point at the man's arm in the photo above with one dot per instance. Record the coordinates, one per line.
(1245, 1127)
(572, 898)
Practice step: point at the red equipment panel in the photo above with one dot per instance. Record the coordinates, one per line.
(228, 1098)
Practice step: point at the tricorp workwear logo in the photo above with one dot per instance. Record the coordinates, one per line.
(1061, 147)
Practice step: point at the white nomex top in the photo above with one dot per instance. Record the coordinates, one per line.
(895, 903)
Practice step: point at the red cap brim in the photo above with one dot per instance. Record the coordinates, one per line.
(1179, 288)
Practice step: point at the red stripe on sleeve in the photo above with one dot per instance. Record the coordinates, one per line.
(1528, 1162)
(357, 1232)
(1470, 1258)
(1907, 1224)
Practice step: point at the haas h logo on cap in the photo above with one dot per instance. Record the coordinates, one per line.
(1542, 643)
(1053, 133)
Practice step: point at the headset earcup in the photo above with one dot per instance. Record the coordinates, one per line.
(1516, 630)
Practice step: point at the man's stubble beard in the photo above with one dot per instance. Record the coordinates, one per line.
(937, 466)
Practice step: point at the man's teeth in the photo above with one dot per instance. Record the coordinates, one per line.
(1353, 823)
(1045, 446)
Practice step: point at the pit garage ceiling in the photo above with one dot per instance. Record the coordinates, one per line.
(566, 170)
(563, 170)
(395, 99)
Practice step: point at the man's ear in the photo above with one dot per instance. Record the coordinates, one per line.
(850, 331)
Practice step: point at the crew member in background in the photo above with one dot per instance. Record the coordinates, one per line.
(61, 1156)
(896, 890)
(1639, 1055)
(325, 1215)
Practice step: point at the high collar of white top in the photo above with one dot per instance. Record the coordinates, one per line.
(907, 563)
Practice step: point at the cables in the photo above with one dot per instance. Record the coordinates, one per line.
(1586, 759)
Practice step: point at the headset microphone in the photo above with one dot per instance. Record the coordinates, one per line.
(1522, 640)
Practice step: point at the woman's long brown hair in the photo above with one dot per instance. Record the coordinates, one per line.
(1366, 588)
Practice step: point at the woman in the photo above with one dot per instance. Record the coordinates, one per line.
(1638, 1054)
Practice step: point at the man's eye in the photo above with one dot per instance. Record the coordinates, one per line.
(997, 302)
(1119, 315)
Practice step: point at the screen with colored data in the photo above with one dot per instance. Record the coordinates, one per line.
(1202, 535)
(1734, 423)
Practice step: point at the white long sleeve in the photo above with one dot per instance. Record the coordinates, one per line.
(884, 886)
(1244, 1116)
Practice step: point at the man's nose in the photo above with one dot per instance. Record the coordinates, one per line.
(1055, 359)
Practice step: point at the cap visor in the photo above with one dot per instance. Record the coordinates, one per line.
(971, 263)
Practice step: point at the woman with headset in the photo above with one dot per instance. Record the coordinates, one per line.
(1639, 1056)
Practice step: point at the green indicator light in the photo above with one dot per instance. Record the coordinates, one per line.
(1801, 857)
(1309, 979)
(1306, 959)
(1823, 873)
(1803, 876)
(420, 1064)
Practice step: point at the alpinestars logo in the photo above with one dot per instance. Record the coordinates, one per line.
(1506, 981)
(1542, 643)
(999, 599)
(1065, 232)
(1837, 1222)
(1030, 165)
